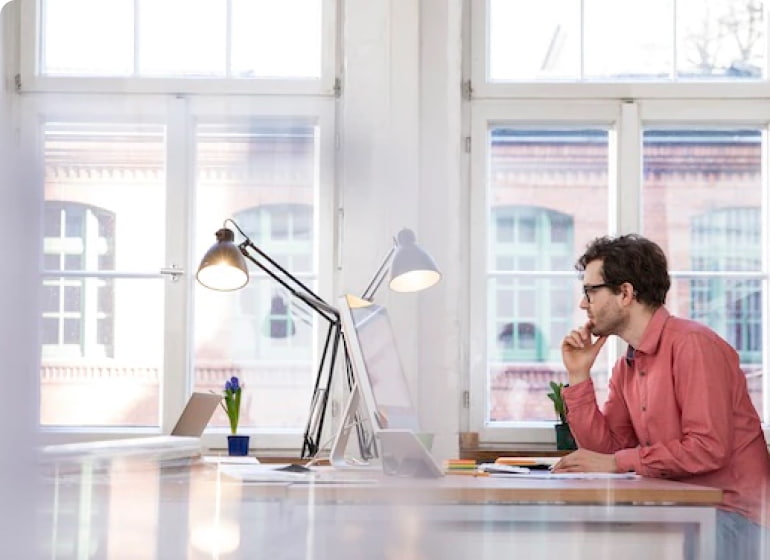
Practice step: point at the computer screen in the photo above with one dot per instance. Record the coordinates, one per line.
(377, 366)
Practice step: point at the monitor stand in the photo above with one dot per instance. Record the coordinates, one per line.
(351, 419)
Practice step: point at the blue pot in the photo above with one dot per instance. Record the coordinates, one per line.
(237, 446)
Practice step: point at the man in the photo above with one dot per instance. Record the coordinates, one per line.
(677, 405)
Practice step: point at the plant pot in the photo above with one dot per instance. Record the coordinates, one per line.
(237, 446)
(564, 439)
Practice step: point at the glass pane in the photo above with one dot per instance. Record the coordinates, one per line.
(269, 40)
(534, 40)
(263, 174)
(182, 38)
(87, 37)
(102, 353)
(720, 39)
(90, 377)
(628, 39)
(549, 189)
(702, 203)
(702, 197)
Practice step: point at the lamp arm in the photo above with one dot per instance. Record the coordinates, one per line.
(291, 283)
(378, 277)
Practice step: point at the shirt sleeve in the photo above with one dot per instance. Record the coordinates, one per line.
(704, 373)
(603, 432)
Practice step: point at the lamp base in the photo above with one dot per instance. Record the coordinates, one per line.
(237, 446)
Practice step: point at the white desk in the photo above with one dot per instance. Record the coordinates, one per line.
(140, 510)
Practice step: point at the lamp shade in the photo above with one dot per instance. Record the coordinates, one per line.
(411, 268)
(223, 267)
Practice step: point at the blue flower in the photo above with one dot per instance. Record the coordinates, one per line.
(232, 402)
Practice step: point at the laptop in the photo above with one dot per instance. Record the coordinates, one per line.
(403, 454)
(197, 412)
(184, 440)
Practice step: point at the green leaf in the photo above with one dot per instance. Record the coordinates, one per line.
(555, 387)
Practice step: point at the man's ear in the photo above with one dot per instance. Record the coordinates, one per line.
(628, 291)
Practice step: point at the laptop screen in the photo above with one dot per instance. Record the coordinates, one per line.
(196, 414)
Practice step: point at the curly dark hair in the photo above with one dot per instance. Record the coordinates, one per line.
(633, 259)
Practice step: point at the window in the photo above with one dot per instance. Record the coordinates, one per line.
(554, 167)
(78, 238)
(713, 245)
(527, 239)
(103, 224)
(214, 38)
(178, 46)
(729, 239)
(659, 40)
(545, 188)
(136, 184)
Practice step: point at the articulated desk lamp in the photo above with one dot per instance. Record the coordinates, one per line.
(411, 269)
(223, 268)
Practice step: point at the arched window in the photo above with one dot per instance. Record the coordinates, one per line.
(529, 313)
(280, 324)
(728, 239)
(78, 311)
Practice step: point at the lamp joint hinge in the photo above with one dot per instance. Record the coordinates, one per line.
(337, 88)
(467, 89)
(17, 82)
(466, 399)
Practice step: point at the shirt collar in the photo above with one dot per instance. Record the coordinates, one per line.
(654, 331)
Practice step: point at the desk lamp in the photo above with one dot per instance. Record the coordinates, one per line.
(223, 268)
(411, 269)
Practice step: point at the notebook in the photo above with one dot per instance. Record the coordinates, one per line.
(403, 454)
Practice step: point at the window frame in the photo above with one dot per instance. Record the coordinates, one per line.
(31, 81)
(178, 114)
(625, 119)
(594, 89)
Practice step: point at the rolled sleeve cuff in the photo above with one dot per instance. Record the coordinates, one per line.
(627, 460)
(578, 395)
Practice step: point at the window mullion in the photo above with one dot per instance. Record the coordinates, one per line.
(625, 172)
(179, 237)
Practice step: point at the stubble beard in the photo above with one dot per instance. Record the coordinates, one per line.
(611, 323)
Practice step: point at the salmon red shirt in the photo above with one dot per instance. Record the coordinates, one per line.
(678, 408)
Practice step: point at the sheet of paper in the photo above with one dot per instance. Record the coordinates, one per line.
(268, 473)
(226, 459)
(573, 476)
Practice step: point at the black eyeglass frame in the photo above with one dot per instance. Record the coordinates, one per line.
(588, 289)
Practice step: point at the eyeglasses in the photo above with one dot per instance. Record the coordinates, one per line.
(588, 289)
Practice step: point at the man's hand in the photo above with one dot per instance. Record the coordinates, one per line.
(584, 460)
(579, 351)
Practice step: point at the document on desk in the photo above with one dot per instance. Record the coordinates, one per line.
(568, 475)
(272, 474)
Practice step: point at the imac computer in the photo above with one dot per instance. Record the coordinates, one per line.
(380, 394)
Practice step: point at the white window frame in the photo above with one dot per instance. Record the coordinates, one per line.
(31, 81)
(626, 118)
(483, 89)
(179, 113)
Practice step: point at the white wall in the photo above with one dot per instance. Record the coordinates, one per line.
(19, 368)
(401, 167)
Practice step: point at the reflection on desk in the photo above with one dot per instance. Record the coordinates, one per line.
(139, 509)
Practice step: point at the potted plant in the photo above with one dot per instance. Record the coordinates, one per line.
(236, 444)
(564, 439)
